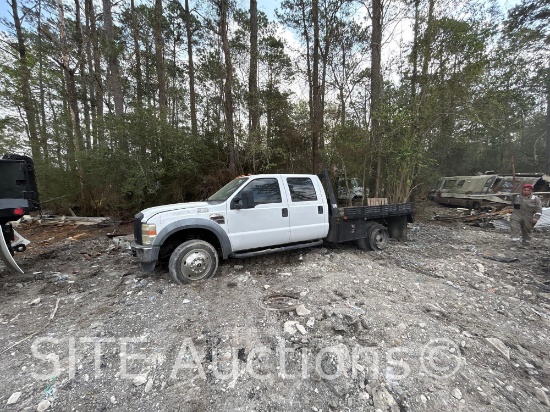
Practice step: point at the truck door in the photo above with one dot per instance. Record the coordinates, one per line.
(307, 208)
(267, 223)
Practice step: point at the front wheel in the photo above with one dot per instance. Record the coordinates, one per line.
(192, 261)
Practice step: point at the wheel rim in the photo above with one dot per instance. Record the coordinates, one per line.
(196, 264)
(380, 238)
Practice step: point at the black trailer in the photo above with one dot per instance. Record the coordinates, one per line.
(18, 197)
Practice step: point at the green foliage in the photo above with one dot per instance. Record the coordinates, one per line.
(475, 98)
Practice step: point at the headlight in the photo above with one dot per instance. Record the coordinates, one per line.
(148, 233)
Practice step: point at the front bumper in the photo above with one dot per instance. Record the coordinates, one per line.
(147, 255)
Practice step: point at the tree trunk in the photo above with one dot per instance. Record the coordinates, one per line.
(191, 73)
(427, 52)
(254, 99)
(42, 91)
(548, 119)
(28, 104)
(414, 57)
(112, 59)
(159, 58)
(82, 69)
(316, 91)
(376, 88)
(76, 142)
(227, 89)
(94, 69)
(137, 56)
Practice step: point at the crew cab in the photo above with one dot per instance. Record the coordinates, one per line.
(259, 214)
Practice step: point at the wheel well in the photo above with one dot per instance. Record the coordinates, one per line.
(179, 237)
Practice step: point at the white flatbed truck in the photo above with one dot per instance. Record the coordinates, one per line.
(259, 214)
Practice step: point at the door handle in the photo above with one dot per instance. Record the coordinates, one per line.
(285, 212)
(320, 210)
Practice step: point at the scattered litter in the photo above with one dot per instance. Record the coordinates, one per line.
(77, 237)
(18, 240)
(283, 302)
(463, 215)
(72, 220)
(50, 392)
(140, 283)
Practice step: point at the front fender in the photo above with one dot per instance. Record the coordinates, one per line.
(195, 223)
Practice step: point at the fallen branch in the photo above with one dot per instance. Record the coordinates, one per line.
(55, 309)
(35, 332)
(21, 341)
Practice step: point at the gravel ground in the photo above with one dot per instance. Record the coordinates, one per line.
(453, 318)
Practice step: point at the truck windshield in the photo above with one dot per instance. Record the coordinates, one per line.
(223, 194)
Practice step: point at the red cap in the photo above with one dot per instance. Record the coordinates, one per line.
(527, 186)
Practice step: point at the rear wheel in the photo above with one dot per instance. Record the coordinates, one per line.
(363, 243)
(192, 261)
(378, 237)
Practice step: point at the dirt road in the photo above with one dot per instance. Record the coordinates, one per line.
(452, 319)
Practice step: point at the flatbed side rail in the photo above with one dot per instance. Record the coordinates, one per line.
(375, 212)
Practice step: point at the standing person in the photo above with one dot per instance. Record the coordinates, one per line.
(527, 211)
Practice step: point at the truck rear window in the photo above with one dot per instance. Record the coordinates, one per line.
(301, 189)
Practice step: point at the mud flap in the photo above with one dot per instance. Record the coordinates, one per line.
(6, 256)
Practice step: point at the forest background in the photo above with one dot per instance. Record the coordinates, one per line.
(128, 104)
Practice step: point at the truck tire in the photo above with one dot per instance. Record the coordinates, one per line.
(377, 237)
(363, 243)
(192, 261)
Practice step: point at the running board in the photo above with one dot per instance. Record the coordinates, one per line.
(275, 250)
(6, 256)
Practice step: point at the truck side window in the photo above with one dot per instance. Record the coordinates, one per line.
(301, 189)
(265, 191)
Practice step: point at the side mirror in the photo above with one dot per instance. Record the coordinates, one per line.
(243, 200)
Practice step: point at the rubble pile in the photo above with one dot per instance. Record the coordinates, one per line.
(453, 318)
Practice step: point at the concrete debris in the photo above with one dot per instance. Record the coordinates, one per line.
(35, 302)
(43, 405)
(542, 396)
(139, 380)
(13, 398)
(456, 393)
(302, 311)
(383, 400)
(499, 346)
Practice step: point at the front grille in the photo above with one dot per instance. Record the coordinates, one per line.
(137, 228)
